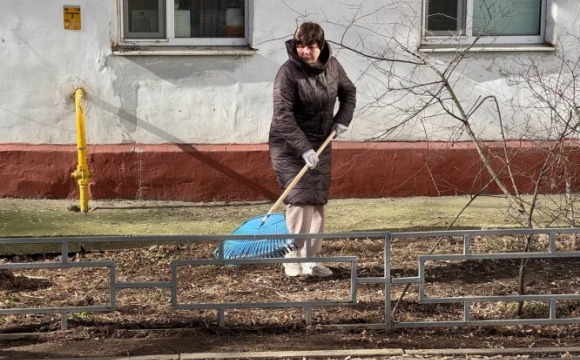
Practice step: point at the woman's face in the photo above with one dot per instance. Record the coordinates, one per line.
(309, 53)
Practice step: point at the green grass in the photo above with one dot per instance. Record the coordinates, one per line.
(53, 218)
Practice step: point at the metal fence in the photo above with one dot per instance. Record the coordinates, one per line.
(465, 239)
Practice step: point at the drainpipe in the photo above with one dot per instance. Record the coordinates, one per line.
(82, 173)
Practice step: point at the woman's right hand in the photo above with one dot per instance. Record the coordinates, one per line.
(310, 158)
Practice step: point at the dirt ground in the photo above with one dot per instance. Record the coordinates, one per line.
(145, 324)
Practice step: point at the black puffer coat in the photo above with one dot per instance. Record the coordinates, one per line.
(304, 101)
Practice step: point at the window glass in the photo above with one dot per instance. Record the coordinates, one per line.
(442, 15)
(499, 21)
(145, 18)
(506, 17)
(209, 18)
(185, 22)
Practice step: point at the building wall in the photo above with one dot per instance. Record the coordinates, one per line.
(174, 107)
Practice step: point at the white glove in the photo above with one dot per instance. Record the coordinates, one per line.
(311, 158)
(339, 128)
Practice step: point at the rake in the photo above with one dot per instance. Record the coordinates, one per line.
(269, 223)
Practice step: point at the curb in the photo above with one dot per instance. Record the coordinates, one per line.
(294, 354)
(410, 354)
(497, 351)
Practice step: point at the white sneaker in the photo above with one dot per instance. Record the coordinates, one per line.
(292, 269)
(315, 269)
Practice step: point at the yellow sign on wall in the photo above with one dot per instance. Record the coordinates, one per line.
(72, 17)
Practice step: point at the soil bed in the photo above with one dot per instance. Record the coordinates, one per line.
(144, 322)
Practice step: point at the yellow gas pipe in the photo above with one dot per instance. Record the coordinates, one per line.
(82, 174)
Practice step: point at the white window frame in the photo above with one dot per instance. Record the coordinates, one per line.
(466, 36)
(171, 40)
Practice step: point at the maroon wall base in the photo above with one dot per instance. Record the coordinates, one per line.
(243, 172)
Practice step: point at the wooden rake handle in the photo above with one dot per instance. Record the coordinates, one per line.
(299, 176)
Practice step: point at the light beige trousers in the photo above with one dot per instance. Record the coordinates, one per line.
(304, 219)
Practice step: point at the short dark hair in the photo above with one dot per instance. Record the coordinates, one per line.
(309, 33)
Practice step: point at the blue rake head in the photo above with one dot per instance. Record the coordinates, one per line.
(265, 248)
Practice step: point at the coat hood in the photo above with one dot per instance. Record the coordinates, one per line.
(324, 57)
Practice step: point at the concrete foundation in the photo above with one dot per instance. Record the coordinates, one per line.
(205, 173)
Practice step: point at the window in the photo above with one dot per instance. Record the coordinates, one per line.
(185, 22)
(494, 21)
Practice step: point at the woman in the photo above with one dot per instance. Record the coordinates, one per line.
(306, 88)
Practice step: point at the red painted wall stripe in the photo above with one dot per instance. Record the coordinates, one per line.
(190, 172)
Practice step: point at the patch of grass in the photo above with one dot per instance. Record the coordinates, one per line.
(20, 217)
